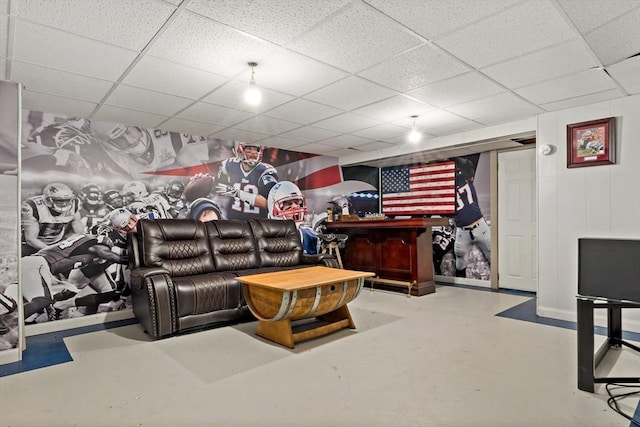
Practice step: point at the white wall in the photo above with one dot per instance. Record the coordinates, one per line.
(598, 201)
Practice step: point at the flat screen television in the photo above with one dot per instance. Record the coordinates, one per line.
(609, 268)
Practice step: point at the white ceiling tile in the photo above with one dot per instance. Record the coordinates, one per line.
(316, 148)
(394, 108)
(264, 18)
(527, 27)
(190, 127)
(582, 100)
(55, 82)
(4, 28)
(383, 131)
(175, 79)
(233, 134)
(269, 125)
(344, 152)
(579, 84)
(433, 119)
(459, 127)
(146, 100)
(588, 15)
(232, 95)
(347, 122)
(502, 103)
(374, 146)
(546, 64)
(131, 24)
(414, 69)
(616, 40)
(627, 74)
(292, 73)
(403, 139)
(364, 36)
(215, 114)
(309, 134)
(56, 49)
(457, 90)
(67, 107)
(491, 118)
(111, 114)
(303, 111)
(198, 42)
(282, 142)
(350, 93)
(346, 141)
(442, 16)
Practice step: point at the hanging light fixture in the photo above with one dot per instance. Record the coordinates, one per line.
(415, 135)
(252, 96)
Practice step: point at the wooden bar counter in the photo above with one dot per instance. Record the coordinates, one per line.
(394, 249)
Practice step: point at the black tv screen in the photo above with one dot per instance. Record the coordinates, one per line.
(609, 268)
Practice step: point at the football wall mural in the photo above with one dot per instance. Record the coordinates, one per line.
(85, 183)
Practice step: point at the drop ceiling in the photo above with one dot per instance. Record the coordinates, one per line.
(339, 77)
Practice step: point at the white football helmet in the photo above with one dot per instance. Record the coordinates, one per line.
(58, 197)
(285, 201)
(134, 190)
(250, 154)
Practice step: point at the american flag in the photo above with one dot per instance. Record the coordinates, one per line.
(419, 190)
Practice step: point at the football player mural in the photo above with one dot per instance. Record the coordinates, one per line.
(93, 179)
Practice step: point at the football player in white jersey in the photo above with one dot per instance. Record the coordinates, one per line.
(286, 201)
(47, 218)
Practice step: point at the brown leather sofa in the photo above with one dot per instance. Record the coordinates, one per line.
(183, 272)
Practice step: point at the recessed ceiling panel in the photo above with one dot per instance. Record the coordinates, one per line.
(582, 100)
(268, 125)
(232, 95)
(457, 90)
(215, 114)
(627, 73)
(589, 15)
(303, 111)
(190, 127)
(146, 100)
(239, 135)
(579, 84)
(616, 40)
(310, 133)
(491, 106)
(347, 122)
(108, 113)
(346, 141)
(59, 105)
(383, 131)
(394, 108)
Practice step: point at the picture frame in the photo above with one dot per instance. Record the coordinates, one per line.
(591, 143)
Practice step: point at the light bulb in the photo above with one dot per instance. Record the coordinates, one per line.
(414, 135)
(253, 96)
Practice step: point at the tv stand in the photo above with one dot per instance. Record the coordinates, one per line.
(588, 361)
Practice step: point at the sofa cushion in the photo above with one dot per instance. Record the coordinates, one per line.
(205, 293)
(178, 245)
(232, 245)
(278, 242)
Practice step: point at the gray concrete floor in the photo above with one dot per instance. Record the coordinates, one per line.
(443, 359)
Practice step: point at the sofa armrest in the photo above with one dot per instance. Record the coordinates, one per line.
(327, 260)
(138, 276)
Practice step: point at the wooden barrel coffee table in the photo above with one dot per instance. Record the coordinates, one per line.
(279, 298)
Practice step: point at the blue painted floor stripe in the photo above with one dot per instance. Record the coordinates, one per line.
(49, 349)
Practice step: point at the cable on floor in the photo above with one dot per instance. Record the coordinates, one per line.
(613, 399)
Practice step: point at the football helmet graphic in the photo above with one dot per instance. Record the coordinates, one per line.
(134, 190)
(251, 154)
(58, 197)
(285, 201)
(91, 195)
(132, 140)
(201, 205)
(174, 190)
(70, 135)
(122, 220)
(113, 198)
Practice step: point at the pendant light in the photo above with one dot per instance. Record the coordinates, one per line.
(252, 96)
(414, 136)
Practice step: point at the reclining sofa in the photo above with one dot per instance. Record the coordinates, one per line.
(183, 271)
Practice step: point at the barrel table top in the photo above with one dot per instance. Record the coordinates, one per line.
(302, 278)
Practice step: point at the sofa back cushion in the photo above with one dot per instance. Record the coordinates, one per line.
(278, 242)
(178, 245)
(232, 245)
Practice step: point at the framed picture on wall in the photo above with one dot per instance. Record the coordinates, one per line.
(591, 143)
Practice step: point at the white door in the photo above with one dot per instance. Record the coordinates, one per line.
(517, 221)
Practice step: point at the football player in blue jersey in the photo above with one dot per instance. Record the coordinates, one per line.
(48, 218)
(285, 201)
(471, 227)
(246, 181)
